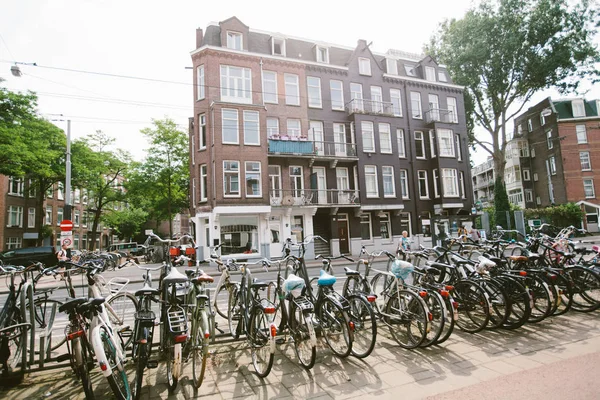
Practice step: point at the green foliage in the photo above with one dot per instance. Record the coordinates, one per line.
(501, 204)
(125, 223)
(561, 216)
(503, 51)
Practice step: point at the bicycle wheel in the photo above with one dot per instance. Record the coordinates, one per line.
(301, 328)
(140, 365)
(437, 309)
(234, 312)
(43, 309)
(565, 293)
(354, 285)
(81, 359)
(335, 327)
(473, 306)
(123, 318)
(173, 351)
(117, 380)
(274, 297)
(12, 346)
(499, 302)
(450, 320)
(199, 346)
(222, 298)
(542, 299)
(380, 285)
(586, 289)
(365, 325)
(520, 302)
(259, 336)
(406, 315)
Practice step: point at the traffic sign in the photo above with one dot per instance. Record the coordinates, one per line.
(66, 225)
(66, 240)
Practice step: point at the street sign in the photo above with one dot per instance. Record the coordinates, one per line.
(66, 225)
(66, 238)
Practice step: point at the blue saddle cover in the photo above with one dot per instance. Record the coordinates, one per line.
(325, 279)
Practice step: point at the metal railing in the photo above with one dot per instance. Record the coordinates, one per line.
(308, 147)
(313, 197)
(372, 107)
(440, 115)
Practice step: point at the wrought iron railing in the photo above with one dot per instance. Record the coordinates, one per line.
(440, 115)
(372, 107)
(313, 197)
(308, 147)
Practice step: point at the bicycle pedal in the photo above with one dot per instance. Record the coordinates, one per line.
(152, 364)
(280, 340)
(63, 357)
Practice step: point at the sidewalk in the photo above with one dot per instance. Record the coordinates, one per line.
(463, 361)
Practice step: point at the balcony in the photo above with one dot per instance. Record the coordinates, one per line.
(315, 150)
(440, 115)
(360, 106)
(314, 198)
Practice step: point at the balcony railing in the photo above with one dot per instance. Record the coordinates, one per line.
(314, 197)
(483, 167)
(439, 115)
(372, 107)
(482, 184)
(278, 145)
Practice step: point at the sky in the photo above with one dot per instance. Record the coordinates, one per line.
(153, 39)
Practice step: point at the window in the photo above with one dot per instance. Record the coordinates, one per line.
(371, 181)
(552, 162)
(50, 192)
(385, 227)
(462, 185)
(77, 196)
(234, 40)
(446, 142)
(581, 134)
(31, 189)
(251, 128)
(436, 178)
(231, 178)
(293, 127)
(430, 74)
(542, 119)
(292, 90)
(578, 108)
(236, 84)
(419, 144)
(297, 180)
(452, 110)
(519, 129)
(515, 196)
(368, 136)
(588, 188)
(364, 66)
(315, 134)
(410, 70)
(532, 152)
(253, 186)
(526, 175)
(529, 195)
(450, 184)
(434, 107)
(275, 181)
(203, 182)
(84, 220)
(200, 76)
(415, 102)
(60, 215)
(269, 87)
(404, 183)
(396, 99)
(239, 234)
(278, 46)
(401, 143)
(15, 186)
(365, 227)
(272, 127)
(337, 95)
(538, 200)
(385, 139)
(376, 99)
(322, 54)
(15, 216)
(389, 186)
(77, 219)
(535, 177)
(523, 149)
(31, 217)
(442, 76)
(230, 126)
(13, 243)
(341, 179)
(202, 131)
(423, 186)
(356, 97)
(584, 158)
(314, 92)
(529, 125)
(458, 149)
(432, 143)
(549, 139)
(391, 66)
(48, 220)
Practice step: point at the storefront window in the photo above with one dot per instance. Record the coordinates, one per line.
(239, 235)
(297, 228)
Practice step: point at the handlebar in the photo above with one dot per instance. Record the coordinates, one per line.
(330, 258)
(171, 241)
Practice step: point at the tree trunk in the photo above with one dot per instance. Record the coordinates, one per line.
(40, 213)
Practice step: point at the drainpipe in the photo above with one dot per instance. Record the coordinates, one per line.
(212, 153)
(410, 157)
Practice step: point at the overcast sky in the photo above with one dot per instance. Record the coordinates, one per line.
(153, 39)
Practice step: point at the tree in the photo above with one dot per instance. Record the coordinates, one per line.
(160, 183)
(560, 216)
(125, 223)
(503, 51)
(501, 203)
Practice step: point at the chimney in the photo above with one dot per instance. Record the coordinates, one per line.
(361, 43)
(199, 37)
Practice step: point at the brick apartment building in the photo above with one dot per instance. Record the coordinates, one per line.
(292, 137)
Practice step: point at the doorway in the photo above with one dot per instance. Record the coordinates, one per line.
(342, 233)
(275, 233)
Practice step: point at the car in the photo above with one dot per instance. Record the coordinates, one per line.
(27, 255)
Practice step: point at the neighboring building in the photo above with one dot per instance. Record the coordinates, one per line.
(292, 137)
(483, 183)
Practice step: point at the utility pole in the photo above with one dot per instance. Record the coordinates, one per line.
(67, 212)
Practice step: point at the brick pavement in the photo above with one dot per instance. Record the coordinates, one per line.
(464, 360)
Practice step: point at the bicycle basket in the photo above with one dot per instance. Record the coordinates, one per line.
(403, 270)
(294, 285)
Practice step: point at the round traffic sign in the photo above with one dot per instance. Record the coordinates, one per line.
(66, 225)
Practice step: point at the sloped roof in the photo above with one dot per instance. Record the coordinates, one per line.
(564, 108)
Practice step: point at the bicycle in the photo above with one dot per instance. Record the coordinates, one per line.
(224, 286)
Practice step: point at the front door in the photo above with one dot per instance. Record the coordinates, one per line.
(321, 185)
(275, 232)
(342, 231)
(315, 134)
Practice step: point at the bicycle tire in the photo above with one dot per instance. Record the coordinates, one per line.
(199, 347)
(300, 330)
(586, 289)
(380, 285)
(234, 316)
(260, 342)
(117, 380)
(42, 311)
(173, 351)
(406, 309)
(565, 291)
(222, 296)
(520, 302)
(542, 299)
(473, 306)
(125, 306)
(365, 325)
(273, 296)
(82, 367)
(499, 302)
(437, 309)
(335, 327)
(354, 285)
(450, 321)
(140, 365)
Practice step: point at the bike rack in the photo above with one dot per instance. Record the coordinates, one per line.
(27, 294)
(46, 338)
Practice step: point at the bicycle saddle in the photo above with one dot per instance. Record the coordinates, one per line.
(174, 276)
(146, 290)
(70, 305)
(325, 279)
(351, 272)
(204, 277)
(256, 284)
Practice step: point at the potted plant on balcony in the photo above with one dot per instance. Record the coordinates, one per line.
(285, 137)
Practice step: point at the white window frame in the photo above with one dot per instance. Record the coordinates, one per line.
(31, 217)
(15, 216)
(388, 172)
(295, 179)
(371, 179)
(446, 143)
(236, 89)
(526, 175)
(401, 143)
(251, 127)
(432, 143)
(294, 127)
(77, 218)
(385, 220)
(201, 131)
(396, 100)
(529, 125)
(225, 118)
(366, 219)
(281, 41)
(364, 66)
(252, 173)
(422, 177)
(461, 180)
(532, 152)
(430, 74)
(314, 92)
(337, 103)
(60, 215)
(368, 136)
(14, 243)
(436, 179)
(274, 180)
(201, 88)
(416, 108)
(60, 191)
(356, 97)
(528, 195)
(422, 140)
(581, 134)
(590, 184)
(385, 138)
(48, 217)
(203, 183)
(16, 186)
(292, 89)
(404, 184)
(442, 76)
(552, 162)
(228, 170)
(542, 119)
(549, 140)
(269, 82)
(376, 99)
(535, 177)
(578, 108)
(319, 52)
(582, 159)
(272, 127)
(391, 66)
(235, 40)
(458, 148)
(450, 182)
(452, 109)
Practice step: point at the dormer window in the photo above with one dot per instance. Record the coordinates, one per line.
(364, 66)
(278, 46)
(234, 40)
(442, 76)
(430, 74)
(322, 54)
(410, 70)
(392, 66)
(578, 108)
